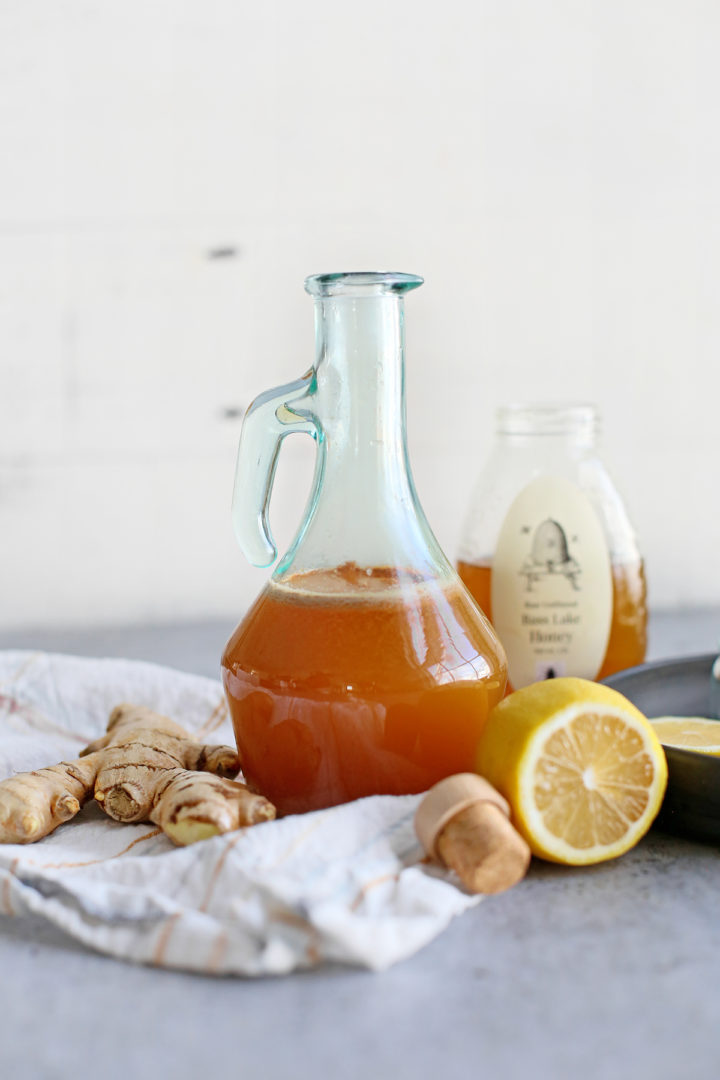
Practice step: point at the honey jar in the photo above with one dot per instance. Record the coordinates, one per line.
(549, 553)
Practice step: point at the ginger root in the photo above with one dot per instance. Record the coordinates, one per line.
(145, 768)
(33, 804)
(139, 746)
(192, 807)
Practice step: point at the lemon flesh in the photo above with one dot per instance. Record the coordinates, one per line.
(689, 733)
(581, 767)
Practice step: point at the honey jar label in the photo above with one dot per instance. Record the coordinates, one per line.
(552, 592)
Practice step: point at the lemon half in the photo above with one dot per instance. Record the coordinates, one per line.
(581, 767)
(689, 733)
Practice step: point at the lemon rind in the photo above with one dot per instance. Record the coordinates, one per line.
(545, 843)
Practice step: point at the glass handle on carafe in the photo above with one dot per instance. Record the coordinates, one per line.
(268, 420)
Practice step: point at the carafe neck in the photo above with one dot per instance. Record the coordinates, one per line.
(363, 509)
(361, 386)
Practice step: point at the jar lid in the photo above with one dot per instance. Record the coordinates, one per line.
(549, 418)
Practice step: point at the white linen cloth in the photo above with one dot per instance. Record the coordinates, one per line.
(346, 884)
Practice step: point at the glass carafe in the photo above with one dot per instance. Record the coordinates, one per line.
(548, 550)
(364, 666)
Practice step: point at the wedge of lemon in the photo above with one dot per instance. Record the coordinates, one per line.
(689, 732)
(581, 767)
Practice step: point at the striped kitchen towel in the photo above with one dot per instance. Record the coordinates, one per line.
(344, 885)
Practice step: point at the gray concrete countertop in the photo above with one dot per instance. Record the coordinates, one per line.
(607, 972)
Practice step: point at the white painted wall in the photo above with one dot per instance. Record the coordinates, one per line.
(553, 169)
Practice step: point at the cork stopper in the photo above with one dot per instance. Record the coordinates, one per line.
(446, 799)
(464, 823)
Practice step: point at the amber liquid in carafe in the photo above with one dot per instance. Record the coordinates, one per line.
(627, 642)
(351, 682)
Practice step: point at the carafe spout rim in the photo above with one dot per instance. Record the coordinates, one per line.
(358, 283)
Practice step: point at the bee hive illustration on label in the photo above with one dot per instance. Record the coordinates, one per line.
(550, 554)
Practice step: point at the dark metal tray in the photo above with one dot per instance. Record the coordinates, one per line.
(680, 688)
